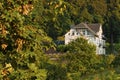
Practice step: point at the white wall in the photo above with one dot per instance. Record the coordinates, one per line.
(73, 34)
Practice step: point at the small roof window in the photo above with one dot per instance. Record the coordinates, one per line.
(73, 33)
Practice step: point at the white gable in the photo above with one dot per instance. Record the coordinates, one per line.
(93, 37)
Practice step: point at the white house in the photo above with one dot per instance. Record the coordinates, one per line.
(92, 32)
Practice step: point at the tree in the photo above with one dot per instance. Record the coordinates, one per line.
(86, 16)
(80, 56)
(53, 15)
(112, 21)
(21, 42)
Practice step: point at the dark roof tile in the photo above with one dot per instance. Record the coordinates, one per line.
(94, 27)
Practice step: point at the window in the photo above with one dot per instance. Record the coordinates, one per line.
(72, 34)
(88, 33)
(83, 32)
(77, 33)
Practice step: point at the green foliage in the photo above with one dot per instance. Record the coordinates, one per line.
(86, 16)
(108, 74)
(81, 45)
(39, 74)
(62, 48)
(56, 72)
(24, 29)
(109, 59)
(55, 17)
(116, 48)
(105, 62)
(21, 42)
(80, 56)
(112, 21)
(116, 61)
(74, 76)
(51, 16)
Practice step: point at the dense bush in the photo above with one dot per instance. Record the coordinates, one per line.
(80, 56)
(56, 72)
(61, 48)
(81, 45)
(74, 76)
(105, 61)
(116, 48)
(116, 62)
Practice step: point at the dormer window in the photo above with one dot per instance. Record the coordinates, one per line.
(83, 32)
(72, 34)
(77, 33)
(88, 33)
(68, 33)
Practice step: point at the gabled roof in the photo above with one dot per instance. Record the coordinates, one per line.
(94, 28)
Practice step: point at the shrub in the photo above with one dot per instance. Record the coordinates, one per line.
(56, 72)
(61, 48)
(117, 48)
(73, 76)
(116, 61)
(81, 56)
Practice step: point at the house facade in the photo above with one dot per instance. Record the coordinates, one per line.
(92, 32)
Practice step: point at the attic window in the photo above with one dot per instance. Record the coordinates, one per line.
(72, 34)
(88, 33)
(83, 32)
(68, 33)
(76, 33)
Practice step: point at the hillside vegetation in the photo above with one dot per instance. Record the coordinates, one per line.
(29, 28)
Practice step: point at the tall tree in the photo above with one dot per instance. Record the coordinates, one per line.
(113, 22)
(21, 42)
